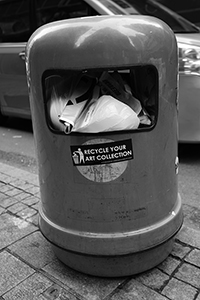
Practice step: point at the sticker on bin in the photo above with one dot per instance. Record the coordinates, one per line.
(103, 153)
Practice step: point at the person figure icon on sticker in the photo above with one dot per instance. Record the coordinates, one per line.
(79, 153)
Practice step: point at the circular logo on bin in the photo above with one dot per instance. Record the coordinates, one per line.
(102, 160)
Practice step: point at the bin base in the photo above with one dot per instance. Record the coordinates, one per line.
(115, 266)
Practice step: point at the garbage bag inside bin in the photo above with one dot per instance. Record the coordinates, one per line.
(107, 114)
(99, 101)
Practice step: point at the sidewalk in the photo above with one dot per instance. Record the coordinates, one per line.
(29, 269)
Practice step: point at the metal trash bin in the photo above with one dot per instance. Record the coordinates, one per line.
(109, 200)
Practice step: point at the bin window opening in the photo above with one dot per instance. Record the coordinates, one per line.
(94, 101)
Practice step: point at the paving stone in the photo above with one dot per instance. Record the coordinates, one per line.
(33, 190)
(169, 265)
(134, 290)
(180, 250)
(38, 194)
(34, 249)
(189, 274)
(194, 257)
(198, 298)
(89, 287)
(2, 168)
(23, 185)
(154, 279)
(178, 290)
(19, 183)
(15, 208)
(57, 292)
(192, 216)
(12, 272)
(31, 200)
(13, 174)
(22, 196)
(6, 188)
(189, 236)
(7, 202)
(12, 229)
(36, 206)
(27, 213)
(41, 297)
(33, 220)
(2, 210)
(6, 178)
(12, 192)
(29, 289)
(3, 196)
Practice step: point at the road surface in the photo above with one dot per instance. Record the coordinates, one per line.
(17, 144)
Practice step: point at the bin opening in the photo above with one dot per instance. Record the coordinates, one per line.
(92, 101)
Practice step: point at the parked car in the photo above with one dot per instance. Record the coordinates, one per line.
(20, 18)
(190, 10)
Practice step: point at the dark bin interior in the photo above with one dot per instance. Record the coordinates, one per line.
(99, 100)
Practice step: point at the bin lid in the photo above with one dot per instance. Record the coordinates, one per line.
(101, 41)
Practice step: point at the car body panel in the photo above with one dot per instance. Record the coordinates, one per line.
(189, 97)
(192, 39)
(13, 85)
(187, 9)
(189, 108)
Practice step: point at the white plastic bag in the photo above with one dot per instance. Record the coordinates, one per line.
(113, 85)
(107, 114)
(70, 114)
(63, 110)
(55, 107)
